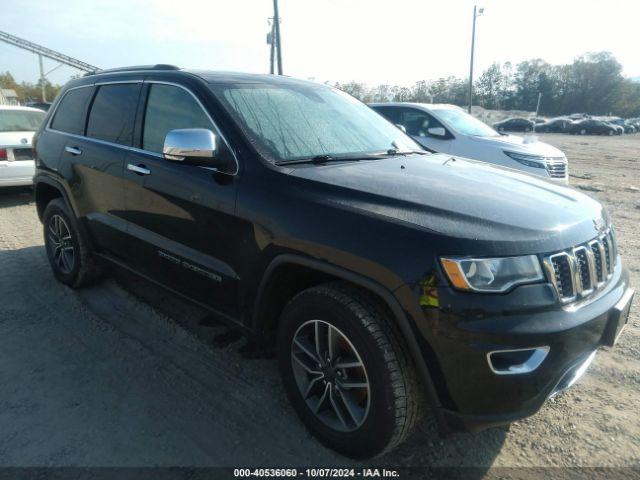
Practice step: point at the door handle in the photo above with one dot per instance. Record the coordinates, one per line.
(139, 169)
(73, 150)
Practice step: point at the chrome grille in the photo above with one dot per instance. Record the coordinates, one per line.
(557, 167)
(578, 272)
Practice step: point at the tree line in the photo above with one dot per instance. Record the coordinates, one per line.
(29, 92)
(592, 84)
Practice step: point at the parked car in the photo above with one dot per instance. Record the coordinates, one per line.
(44, 106)
(388, 279)
(449, 129)
(626, 127)
(592, 127)
(514, 125)
(17, 126)
(555, 125)
(619, 129)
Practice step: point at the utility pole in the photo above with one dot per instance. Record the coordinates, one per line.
(272, 47)
(276, 29)
(42, 79)
(538, 104)
(476, 13)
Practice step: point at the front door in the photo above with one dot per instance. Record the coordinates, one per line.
(417, 123)
(181, 219)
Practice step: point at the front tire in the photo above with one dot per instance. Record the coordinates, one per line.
(346, 372)
(67, 247)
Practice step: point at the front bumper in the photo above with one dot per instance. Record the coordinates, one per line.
(467, 327)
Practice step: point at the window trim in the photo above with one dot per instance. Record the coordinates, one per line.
(131, 148)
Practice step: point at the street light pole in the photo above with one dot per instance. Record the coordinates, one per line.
(276, 19)
(476, 13)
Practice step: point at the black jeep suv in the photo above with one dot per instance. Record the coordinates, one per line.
(390, 281)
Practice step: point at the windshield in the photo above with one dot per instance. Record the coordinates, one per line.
(465, 124)
(294, 121)
(20, 120)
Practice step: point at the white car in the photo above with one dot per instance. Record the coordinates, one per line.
(449, 129)
(17, 126)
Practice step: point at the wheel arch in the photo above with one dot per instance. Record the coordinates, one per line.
(268, 321)
(46, 189)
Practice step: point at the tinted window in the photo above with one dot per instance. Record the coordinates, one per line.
(69, 116)
(169, 108)
(390, 113)
(112, 113)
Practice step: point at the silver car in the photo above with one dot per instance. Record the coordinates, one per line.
(17, 126)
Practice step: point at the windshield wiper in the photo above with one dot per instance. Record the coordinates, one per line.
(317, 159)
(394, 151)
(320, 159)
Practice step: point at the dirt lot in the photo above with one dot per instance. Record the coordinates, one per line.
(124, 374)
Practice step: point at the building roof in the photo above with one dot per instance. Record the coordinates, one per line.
(9, 93)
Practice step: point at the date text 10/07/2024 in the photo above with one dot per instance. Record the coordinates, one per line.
(315, 473)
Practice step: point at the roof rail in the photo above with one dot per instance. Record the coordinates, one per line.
(135, 68)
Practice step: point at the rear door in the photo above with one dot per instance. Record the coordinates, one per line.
(95, 160)
(181, 218)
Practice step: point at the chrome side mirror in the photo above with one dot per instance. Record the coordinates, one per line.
(437, 132)
(193, 146)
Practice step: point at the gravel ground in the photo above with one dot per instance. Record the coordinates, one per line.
(125, 374)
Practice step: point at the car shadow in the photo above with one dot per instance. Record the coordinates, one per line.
(113, 357)
(15, 196)
(464, 454)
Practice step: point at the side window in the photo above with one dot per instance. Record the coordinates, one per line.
(417, 122)
(69, 116)
(168, 108)
(390, 113)
(112, 113)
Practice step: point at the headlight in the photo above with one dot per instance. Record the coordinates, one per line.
(535, 161)
(492, 274)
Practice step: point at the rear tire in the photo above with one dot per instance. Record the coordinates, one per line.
(67, 247)
(359, 422)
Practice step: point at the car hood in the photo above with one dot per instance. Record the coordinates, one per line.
(528, 145)
(15, 139)
(510, 212)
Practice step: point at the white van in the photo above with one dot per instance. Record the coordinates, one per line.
(449, 129)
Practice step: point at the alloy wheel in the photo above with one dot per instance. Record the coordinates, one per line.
(60, 244)
(330, 375)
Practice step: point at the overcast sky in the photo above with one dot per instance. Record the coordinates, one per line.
(373, 41)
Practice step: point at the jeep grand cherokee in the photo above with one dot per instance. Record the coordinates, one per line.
(390, 281)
